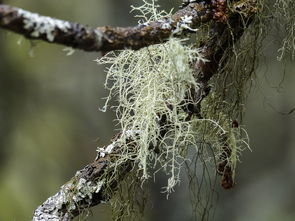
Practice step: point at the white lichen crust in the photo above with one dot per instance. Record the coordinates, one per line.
(150, 11)
(84, 190)
(43, 25)
(71, 197)
(184, 24)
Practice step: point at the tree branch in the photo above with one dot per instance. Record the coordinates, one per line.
(35, 26)
(87, 188)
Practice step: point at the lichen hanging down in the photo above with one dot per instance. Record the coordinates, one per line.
(151, 84)
(152, 87)
(284, 14)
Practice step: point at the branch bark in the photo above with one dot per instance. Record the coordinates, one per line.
(87, 188)
(35, 26)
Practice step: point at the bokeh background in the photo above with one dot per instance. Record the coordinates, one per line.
(50, 124)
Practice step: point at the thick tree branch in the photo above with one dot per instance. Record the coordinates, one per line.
(34, 26)
(87, 188)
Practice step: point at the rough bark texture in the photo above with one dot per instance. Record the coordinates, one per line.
(34, 26)
(86, 188)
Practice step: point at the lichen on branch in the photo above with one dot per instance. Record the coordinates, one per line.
(150, 84)
(175, 97)
(107, 38)
(161, 99)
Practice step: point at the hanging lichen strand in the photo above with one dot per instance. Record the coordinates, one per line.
(284, 13)
(151, 87)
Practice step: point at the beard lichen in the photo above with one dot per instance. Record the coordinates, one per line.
(284, 14)
(151, 84)
(151, 87)
(149, 11)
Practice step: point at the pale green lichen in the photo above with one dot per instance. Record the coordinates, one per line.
(150, 86)
(152, 83)
(149, 11)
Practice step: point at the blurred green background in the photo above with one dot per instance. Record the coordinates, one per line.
(50, 124)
